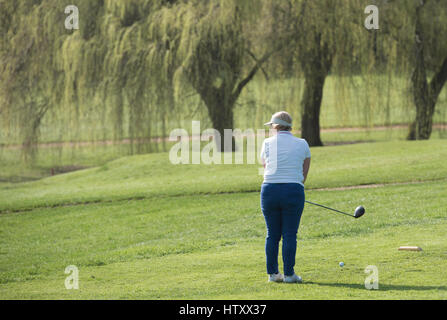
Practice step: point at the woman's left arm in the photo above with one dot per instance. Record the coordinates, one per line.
(306, 166)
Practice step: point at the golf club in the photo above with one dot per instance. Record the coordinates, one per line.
(359, 211)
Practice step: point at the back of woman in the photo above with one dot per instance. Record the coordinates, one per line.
(287, 165)
(286, 162)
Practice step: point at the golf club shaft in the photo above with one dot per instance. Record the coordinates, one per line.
(319, 205)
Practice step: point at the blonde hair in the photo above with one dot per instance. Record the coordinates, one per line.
(284, 116)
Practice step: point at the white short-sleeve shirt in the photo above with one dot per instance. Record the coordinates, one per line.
(284, 155)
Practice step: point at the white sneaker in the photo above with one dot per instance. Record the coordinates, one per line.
(293, 279)
(277, 277)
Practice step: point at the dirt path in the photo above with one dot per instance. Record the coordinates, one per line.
(378, 185)
(140, 198)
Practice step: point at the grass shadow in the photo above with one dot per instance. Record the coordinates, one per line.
(382, 287)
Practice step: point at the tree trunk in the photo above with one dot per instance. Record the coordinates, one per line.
(425, 95)
(421, 128)
(311, 104)
(425, 98)
(222, 118)
(316, 64)
(220, 110)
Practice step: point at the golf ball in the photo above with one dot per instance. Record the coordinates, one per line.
(341, 264)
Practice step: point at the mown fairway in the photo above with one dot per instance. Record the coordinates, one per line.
(139, 227)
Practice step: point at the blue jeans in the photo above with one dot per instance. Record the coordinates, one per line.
(282, 205)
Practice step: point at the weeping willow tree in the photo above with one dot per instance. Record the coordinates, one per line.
(219, 61)
(329, 37)
(31, 85)
(316, 51)
(122, 62)
(419, 27)
(116, 69)
(215, 66)
(369, 61)
(124, 69)
(430, 53)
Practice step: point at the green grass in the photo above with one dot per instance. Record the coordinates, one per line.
(151, 230)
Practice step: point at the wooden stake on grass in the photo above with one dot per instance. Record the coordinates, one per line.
(406, 248)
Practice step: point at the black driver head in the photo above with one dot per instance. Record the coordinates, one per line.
(359, 211)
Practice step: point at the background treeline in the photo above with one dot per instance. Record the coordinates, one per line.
(136, 69)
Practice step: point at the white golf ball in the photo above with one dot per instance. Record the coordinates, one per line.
(341, 264)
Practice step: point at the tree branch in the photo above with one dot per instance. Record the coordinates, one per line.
(251, 54)
(438, 81)
(252, 73)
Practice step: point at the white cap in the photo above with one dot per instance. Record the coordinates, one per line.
(278, 121)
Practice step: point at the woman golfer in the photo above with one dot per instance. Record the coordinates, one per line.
(286, 161)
